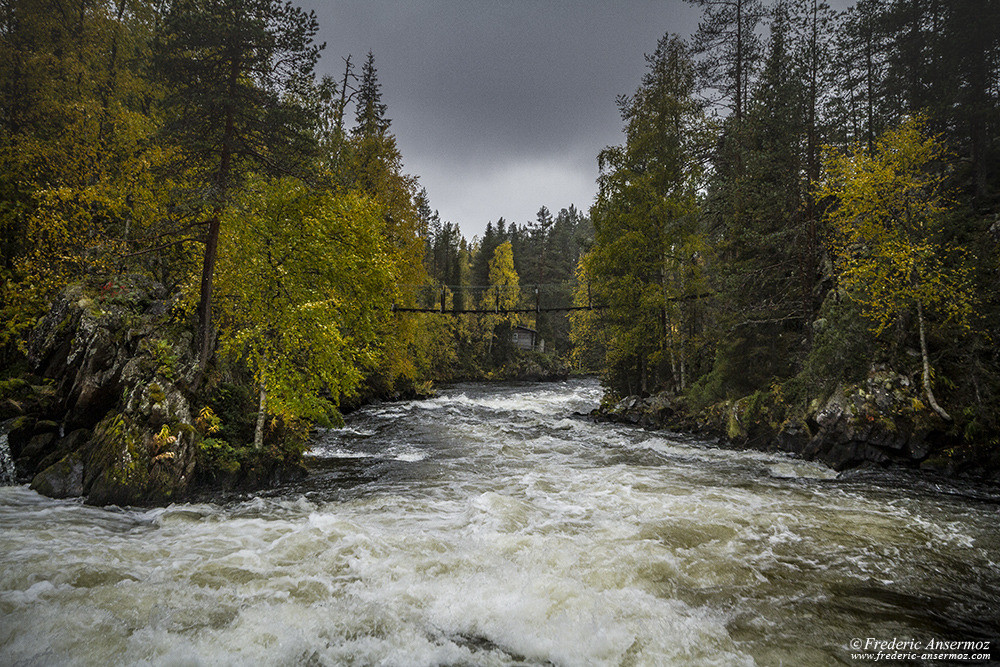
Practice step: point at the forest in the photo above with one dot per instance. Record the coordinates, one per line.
(185, 159)
(807, 200)
(802, 198)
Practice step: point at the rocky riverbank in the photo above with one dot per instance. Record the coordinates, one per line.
(115, 410)
(881, 421)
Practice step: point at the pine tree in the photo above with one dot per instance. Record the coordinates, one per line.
(729, 51)
(236, 71)
(859, 64)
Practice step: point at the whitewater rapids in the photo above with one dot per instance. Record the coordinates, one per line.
(489, 526)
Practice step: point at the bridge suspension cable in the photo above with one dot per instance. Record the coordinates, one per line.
(434, 299)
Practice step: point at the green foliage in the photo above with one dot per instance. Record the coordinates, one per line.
(502, 296)
(888, 223)
(504, 291)
(761, 256)
(368, 161)
(216, 455)
(306, 326)
(164, 357)
(77, 183)
(717, 385)
(646, 262)
(234, 406)
(370, 119)
(843, 349)
(888, 256)
(586, 332)
(13, 387)
(156, 393)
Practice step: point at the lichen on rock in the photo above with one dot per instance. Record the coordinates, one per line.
(879, 420)
(120, 380)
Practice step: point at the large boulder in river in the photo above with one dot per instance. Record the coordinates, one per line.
(124, 377)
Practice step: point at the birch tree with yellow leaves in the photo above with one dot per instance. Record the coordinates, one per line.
(888, 209)
(502, 296)
(305, 284)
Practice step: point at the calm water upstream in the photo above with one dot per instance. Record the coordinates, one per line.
(488, 527)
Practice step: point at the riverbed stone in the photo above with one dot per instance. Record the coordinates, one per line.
(73, 441)
(37, 448)
(63, 479)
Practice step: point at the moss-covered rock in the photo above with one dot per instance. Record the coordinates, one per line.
(63, 479)
(123, 376)
(880, 420)
(123, 380)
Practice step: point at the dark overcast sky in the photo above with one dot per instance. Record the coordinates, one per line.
(501, 106)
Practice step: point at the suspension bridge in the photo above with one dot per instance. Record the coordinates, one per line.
(457, 300)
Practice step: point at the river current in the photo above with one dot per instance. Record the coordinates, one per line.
(488, 526)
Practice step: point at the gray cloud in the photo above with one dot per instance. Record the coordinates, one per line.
(501, 106)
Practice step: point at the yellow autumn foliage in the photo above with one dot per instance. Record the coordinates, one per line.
(888, 209)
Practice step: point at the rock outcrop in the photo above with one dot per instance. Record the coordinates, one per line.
(118, 426)
(881, 420)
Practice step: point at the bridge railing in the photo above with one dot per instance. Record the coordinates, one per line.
(471, 299)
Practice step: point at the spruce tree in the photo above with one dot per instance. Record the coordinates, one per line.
(754, 211)
(643, 263)
(370, 119)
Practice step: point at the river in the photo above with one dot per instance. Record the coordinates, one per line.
(488, 526)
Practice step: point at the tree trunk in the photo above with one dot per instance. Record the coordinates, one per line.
(738, 101)
(870, 88)
(258, 433)
(212, 242)
(927, 366)
(205, 302)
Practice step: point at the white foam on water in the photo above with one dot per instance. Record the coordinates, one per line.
(410, 457)
(7, 472)
(571, 543)
(537, 399)
(340, 453)
(351, 431)
(801, 470)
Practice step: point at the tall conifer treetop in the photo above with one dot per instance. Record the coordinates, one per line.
(370, 118)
